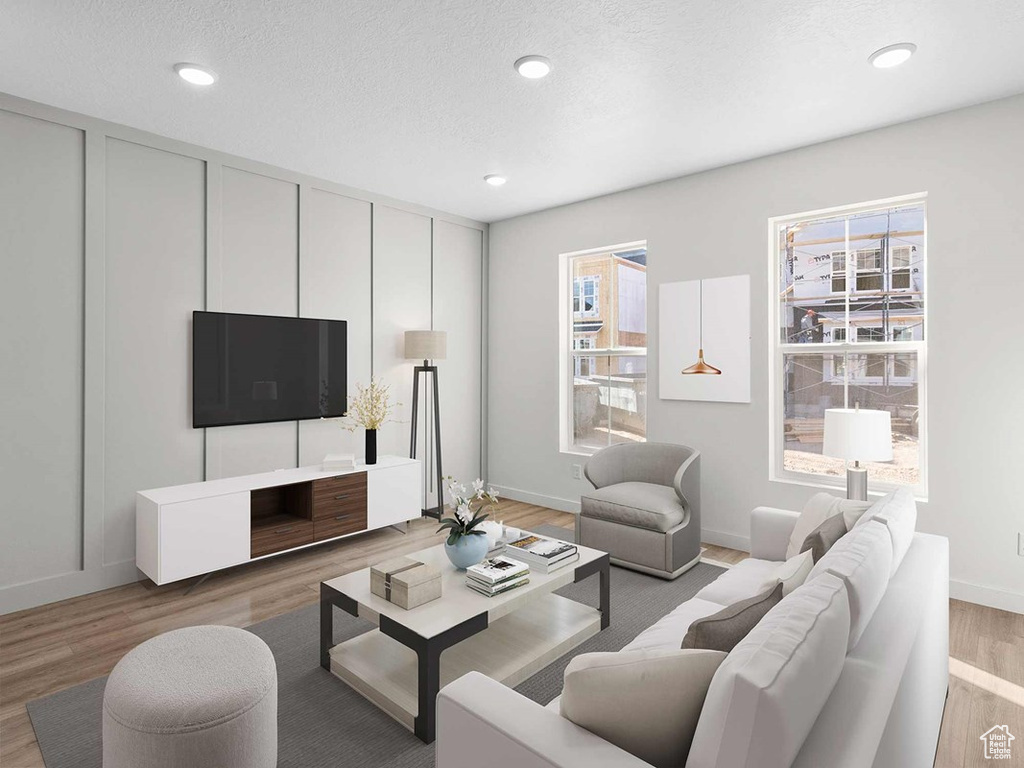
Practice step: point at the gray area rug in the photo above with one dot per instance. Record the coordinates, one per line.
(321, 721)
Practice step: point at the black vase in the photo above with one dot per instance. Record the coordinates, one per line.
(371, 446)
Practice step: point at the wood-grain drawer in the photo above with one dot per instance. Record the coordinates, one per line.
(335, 496)
(339, 525)
(278, 533)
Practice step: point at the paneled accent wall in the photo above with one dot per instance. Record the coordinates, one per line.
(259, 275)
(154, 271)
(458, 310)
(335, 283)
(401, 302)
(42, 254)
(110, 239)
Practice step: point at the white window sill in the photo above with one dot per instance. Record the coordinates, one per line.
(578, 452)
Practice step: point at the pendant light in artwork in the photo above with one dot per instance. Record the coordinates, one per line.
(700, 367)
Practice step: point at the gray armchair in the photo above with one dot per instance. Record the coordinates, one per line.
(645, 507)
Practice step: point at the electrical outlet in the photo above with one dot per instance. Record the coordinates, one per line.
(1020, 544)
(577, 471)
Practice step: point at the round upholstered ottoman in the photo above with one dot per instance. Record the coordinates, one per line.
(200, 697)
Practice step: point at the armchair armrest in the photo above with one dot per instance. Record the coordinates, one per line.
(770, 529)
(482, 722)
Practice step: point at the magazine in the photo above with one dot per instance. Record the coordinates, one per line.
(496, 570)
(552, 567)
(497, 589)
(535, 549)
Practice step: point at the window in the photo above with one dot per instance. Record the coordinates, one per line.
(839, 272)
(585, 295)
(584, 366)
(862, 343)
(869, 269)
(900, 266)
(604, 348)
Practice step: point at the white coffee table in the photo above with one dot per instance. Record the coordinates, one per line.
(399, 666)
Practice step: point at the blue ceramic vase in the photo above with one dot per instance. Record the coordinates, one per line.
(466, 551)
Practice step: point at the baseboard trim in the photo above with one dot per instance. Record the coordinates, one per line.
(987, 596)
(528, 497)
(723, 539)
(19, 597)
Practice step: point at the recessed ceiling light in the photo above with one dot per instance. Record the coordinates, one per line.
(193, 73)
(495, 179)
(533, 67)
(892, 55)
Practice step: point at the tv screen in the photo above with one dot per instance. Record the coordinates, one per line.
(248, 369)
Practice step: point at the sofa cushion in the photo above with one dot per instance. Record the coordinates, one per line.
(898, 512)
(820, 540)
(643, 505)
(723, 630)
(792, 573)
(645, 702)
(766, 695)
(668, 632)
(745, 579)
(862, 560)
(817, 510)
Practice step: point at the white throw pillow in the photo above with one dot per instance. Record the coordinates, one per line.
(862, 559)
(819, 508)
(766, 695)
(645, 702)
(792, 573)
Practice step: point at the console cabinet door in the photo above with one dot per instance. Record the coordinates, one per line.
(394, 494)
(203, 535)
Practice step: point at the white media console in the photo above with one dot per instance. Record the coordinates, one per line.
(191, 530)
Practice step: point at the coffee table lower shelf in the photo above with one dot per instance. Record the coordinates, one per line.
(508, 650)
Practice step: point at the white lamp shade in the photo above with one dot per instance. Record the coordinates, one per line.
(426, 345)
(858, 435)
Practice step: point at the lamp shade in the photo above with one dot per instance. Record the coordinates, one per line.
(426, 345)
(858, 434)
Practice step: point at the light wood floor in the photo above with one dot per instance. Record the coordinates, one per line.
(47, 649)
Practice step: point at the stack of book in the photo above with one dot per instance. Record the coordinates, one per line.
(497, 575)
(337, 462)
(542, 554)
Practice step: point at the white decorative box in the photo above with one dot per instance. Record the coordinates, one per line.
(405, 582)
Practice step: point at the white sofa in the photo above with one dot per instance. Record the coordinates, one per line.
(873, 697)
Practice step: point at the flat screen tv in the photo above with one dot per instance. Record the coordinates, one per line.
(249, 369)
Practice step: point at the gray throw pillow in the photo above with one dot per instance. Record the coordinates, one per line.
(723, 630)
(821, 539)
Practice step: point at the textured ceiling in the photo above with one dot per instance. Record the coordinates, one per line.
(417, 99)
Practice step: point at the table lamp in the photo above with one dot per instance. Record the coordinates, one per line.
(857, 434)
(427, 346)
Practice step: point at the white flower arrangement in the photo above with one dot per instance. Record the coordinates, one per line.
(371, 408)
(470, 509)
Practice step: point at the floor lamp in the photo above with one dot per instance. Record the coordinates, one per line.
(428, 346)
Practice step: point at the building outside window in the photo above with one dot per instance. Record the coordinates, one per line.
(849, 331)
(604, 346)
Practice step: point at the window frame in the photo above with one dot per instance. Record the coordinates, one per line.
(777, 350)
(567, 355)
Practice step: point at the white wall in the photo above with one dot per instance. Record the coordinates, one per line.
(110, 238)
(971, 164)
